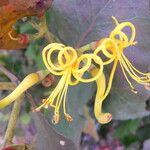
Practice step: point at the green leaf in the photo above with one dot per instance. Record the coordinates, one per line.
(26, 28)
(32, 50)
(143, 132)
(124, 104)
(125, 128)
(33, 53)
(129, 139)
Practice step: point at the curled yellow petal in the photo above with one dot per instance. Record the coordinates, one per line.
(101, 89)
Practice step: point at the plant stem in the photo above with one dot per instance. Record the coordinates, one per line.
(15, 111)
(43, 31)
(87, 47)
(12, 122)
(48, 35)
(7, 86)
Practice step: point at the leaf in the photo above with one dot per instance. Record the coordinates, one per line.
(127, 131)
(32, 50)
(130, 139)
(78, 22)
(125, 128)
(124, 104)
(77, 98)
(143, 132)
(14, 10)
(26, 28)
(47, 138)
(34, 55)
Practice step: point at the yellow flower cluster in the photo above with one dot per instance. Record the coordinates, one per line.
(71, 68)
(71, 65)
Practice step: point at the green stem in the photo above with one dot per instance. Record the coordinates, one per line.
(87, 47)
(43, 31)
(12, 122)
(48, 35)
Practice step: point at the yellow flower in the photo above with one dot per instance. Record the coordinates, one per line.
(113, 49)
(63, 61)
(71, 68)
(71, 65)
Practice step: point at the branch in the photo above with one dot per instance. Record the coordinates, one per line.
(7, 86)
(12, 122)
(16, 108)
(43, 31)
(12, 77)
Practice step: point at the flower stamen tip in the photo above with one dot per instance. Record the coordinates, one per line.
(134, 91)
(36, 110)
(134, 43)
(55, 119)
(68, 118)
(148, 75)
(46, 106)
(109, 117)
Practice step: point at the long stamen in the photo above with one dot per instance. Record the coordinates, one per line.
(50, 100)
(64, 101)
(130, 84)
(115, 20)
(60, 95)
(130, 65)
(65, 92)
(60, 99)
(136, 78)
(56, 91)
(56, 115)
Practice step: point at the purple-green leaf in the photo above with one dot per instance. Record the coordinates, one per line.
(47, 138)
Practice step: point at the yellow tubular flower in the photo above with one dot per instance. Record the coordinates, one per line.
(28, 81)
(71, 68)
(124, 42)
(113, 49)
